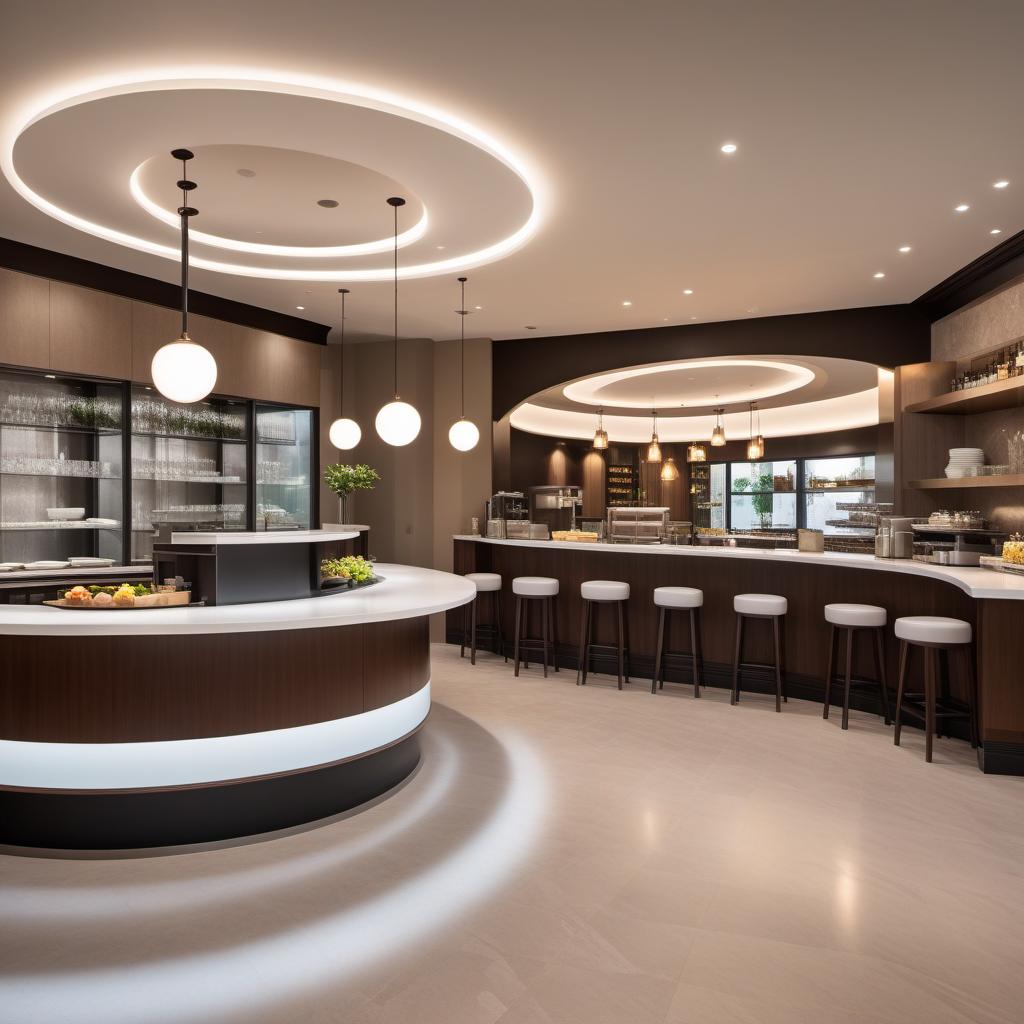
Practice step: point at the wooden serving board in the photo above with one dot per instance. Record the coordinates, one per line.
(178, 599)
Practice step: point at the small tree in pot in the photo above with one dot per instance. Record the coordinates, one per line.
(345, 480)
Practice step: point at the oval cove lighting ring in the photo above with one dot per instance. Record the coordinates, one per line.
(257, 80)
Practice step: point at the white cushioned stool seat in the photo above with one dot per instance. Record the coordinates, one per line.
(678, 597)
(534, 586)
(485, 581)
(760, 604)
(604, 590)
(933, 629)
(855, 615)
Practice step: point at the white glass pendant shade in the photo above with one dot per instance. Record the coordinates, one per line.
(601, 439)
(696, 453)
(717, 437)
(654, 450)
(669, 471)
(398, 423)
(184, 371)
(463, 435)
(345, 433)
(755, 448)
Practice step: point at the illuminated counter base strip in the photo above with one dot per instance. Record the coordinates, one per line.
(176, 763)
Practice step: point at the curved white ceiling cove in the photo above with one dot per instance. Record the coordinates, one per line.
(844, 412)
(266, 83)
(704, 382)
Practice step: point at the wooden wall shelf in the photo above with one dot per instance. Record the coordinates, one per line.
(963, 483)
(1003, 394)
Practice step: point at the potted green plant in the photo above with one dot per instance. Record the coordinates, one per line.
(345, 480)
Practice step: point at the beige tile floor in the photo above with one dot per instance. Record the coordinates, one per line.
(567, 855)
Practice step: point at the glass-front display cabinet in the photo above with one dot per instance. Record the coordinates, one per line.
(284, 468)
(61, 471)
(190, 466)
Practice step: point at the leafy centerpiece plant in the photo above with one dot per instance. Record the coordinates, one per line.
(346, 480)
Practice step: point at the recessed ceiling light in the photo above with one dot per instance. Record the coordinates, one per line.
(627, 302)
(478, 307)
(729, 147)
(996, 231)
(962, 208)
(50, 376)
(664, 319)
(687, 291)
(880, 273)
(439, 248)
(327, 204)
(693, 318)
(300, 307)
(1002, 183)
(904, 248)
(244, 172)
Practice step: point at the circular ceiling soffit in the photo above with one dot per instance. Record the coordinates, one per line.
(695, 383)
(254, 80)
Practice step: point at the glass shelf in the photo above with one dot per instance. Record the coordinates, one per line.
(65, 526)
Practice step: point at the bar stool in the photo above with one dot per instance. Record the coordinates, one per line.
(485, 583)
(938, 636)
(598, 592)
(527, 590)
(667, 600)
(854, 618)
(760, 606)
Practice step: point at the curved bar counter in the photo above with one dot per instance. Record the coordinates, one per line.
(164, 726)
(992, 602)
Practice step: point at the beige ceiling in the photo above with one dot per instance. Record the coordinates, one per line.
(860, 127)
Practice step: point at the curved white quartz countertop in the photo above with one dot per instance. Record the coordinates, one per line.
(979, 583)
(404, 592)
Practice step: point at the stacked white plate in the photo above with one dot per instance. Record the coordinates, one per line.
(962, 461)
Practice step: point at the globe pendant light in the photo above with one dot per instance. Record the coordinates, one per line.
(344, 433)
(182, 370)
(654, 449)
(463, 434)
(669, 471)
(600, 435)
(697, 452)
(397, 423)
(755, 446)
(718, 434)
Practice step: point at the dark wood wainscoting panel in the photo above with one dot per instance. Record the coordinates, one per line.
(1001, 669)
(396, 659)
(140, 688)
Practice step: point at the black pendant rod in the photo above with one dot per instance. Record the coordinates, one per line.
(395, 202)
(184, 212)
(341, 404)
(462, 348)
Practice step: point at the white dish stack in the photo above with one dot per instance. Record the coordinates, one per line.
(964, 462)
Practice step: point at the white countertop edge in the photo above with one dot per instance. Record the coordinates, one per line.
(42, 575)
(975, 582)
(219, 538)
(405, 592)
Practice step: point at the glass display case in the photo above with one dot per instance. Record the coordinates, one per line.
(190, 466)
(284, 468)
(61, 469)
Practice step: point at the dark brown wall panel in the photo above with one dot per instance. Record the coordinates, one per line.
(24, 320)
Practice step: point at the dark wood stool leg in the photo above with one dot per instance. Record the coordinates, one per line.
(693, 652)
(930, 657)
(581, 657)
(657, 652)
(782, 658)
(849, 672)
(553, 616)
(465, 629)
(518, 633)
(831, 665)
(619, 635)
(472, 631)
(586, 645)
(942, 685)
(736, 660)
(883, 684)
(972, 692)
(700, 644)
(500, 637)
(778, 663)
(901, 683)
(625, 633)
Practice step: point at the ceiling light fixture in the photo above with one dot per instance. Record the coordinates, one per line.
(627, 302)
(755, 446)
(669, 471)
(718, 434)
(879, 274)
(600, 435)
(182, 370)
(962, 208)
(327, 204)
(654, 448)
(300, 307)
(1002, 183)
(904, 248)
(996, 231)
(729, 148)
(398, 423)
(697, 451)
(344, 433)
(687, 291)
(463, 434)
